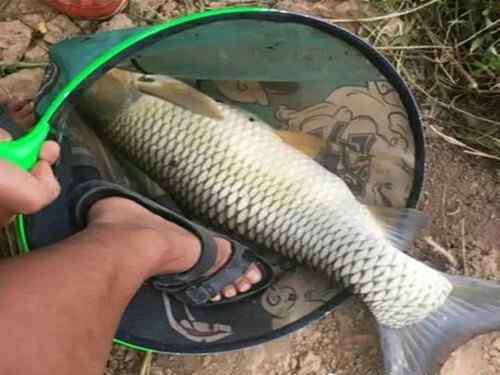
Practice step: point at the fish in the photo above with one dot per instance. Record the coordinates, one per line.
(230, 168)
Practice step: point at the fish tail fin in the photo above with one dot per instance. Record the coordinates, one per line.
(471, 309)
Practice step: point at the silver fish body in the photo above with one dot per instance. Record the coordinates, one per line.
(229, 168)
(238, 174)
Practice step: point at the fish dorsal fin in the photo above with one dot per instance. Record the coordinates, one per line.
(179, 93)
(402, 225)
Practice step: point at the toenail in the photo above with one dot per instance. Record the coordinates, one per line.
(244, 287)
(253, 275)
(229, 292)
(215, 298)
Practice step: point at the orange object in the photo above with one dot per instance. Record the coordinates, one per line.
(88, 9)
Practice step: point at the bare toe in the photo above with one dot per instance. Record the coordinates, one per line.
(243, 285)
(253, 274)
(229, 291)
(216, 298)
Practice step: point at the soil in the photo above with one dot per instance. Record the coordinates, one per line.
(462, 199)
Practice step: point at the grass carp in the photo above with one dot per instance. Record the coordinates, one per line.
(230, 168)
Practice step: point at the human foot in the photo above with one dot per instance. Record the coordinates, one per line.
(175, 249)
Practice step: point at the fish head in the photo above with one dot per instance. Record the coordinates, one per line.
(108, 95)
(178, 93)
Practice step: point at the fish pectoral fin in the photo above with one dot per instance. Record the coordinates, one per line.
(472, 309)
(179, 93)
(309, 145)
(402, 225)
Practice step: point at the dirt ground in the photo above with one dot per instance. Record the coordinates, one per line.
(462, 198)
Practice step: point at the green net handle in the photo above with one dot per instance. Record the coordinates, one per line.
(25, 150)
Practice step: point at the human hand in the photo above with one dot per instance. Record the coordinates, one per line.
(24, 192)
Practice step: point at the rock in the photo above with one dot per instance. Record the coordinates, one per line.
(39, 52)
(153, 4)
(325, 8)
(113, 364)
(130, 356)
(15, 8)
(206, 360)
(36, 21)
(23, 84)
(156, 371)
(309, 364)
(141, 6)
(60, 28)
(170, 10)
(120, 21)
(496, 344)
(86, 25)
(15, 37)
(154, 9)
(495, 361)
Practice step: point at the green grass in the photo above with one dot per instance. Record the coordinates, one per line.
(458, 69)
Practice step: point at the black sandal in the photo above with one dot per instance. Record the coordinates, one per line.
(191, 287)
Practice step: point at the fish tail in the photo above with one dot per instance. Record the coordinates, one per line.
(471, 309)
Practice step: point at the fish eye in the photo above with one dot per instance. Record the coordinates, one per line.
(146, 79)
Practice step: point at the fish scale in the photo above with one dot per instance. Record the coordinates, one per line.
(239, 174)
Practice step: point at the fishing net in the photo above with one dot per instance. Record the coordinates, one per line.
(297, 74)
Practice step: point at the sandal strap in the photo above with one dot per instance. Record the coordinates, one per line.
(200, 291)
(84, 195)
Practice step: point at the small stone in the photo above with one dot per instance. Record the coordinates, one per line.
(311, 363)
(15, 37)
(33, 21)
(60, 28)
(130, 356)
(38, 53)
(206, 360)
(153, 4)
(23, 84)
(120, 21)
(85, 24)
(113, 364)
(157, 371)
(496, 344)
(495, 361)
(146, 7)
(169, 10)
(24, 7)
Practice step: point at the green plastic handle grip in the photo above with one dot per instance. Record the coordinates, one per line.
(25, 150)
